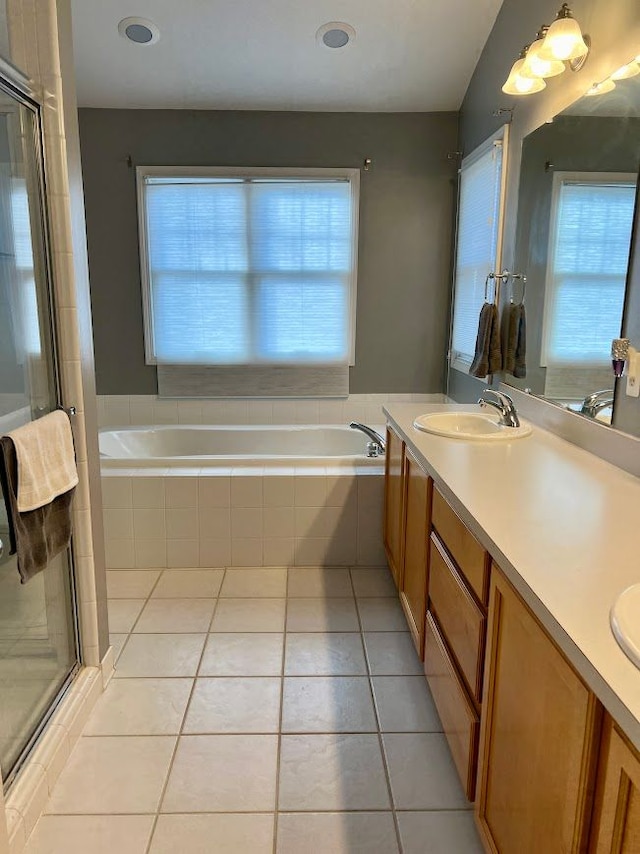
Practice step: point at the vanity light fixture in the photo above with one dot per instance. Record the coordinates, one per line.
(535, 65)
(517, 83)
(601, 88)
(564, 40)
(627, 71)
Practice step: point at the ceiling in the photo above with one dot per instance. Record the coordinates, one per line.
(408, 55)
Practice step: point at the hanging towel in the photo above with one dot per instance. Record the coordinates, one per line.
(35, 536)
(488, 354)
(46, 461)
(514, 343)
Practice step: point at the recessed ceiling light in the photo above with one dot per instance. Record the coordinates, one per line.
(139, 30)
(335, 34)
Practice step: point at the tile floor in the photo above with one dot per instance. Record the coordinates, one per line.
(259, 711)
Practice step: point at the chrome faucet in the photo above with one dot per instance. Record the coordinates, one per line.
(504, 404)
(594, 403)
(376, 447)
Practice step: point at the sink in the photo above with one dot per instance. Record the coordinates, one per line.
(625, 622)
(469, 425)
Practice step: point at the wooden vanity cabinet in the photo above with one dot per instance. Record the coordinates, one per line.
(393, 533)
(417, 511)
(616, 819)
(538, 737)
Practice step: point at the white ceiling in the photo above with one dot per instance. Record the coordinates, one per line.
(409, 55)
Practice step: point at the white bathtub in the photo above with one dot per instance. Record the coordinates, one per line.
(182, 445)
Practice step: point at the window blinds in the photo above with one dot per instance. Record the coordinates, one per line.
(250, 270)
(587, 267)
(477, 244)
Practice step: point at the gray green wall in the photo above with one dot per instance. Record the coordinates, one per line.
(406, 212)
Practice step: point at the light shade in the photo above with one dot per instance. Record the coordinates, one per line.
(626, 71)
(601, 88)
(537, 66)
(518, 84)
(564, 40)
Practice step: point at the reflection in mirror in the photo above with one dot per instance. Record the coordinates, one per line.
(575, 215)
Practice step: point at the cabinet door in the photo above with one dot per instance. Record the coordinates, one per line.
(413, 596)
(616, 826)
(393, 504)
(538, 737)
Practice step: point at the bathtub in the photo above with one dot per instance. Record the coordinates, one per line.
(236, 446)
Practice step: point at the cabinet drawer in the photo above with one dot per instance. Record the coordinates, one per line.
(462, 622)
(459, 719)
(472, 559)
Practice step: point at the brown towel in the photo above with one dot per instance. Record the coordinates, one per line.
(488, 354)
(520, 369)
(514, 344)
(35, 536)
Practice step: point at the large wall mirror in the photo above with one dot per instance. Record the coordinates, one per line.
(576, 202)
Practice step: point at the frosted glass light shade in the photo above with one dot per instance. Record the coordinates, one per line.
(601, 88)
(518, 84)
(536, 66)
(564, 41)
(626, 71)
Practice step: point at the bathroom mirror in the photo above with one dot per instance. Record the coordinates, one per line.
(577, 193)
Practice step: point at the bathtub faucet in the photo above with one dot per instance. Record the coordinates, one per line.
(376, 447)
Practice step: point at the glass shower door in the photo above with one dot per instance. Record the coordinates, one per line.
(38, 634)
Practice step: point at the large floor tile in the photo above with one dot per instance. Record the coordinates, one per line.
(234, 704)
(249, 615)
(327, 704)
(373, 581)
(123, 613)
(243, 654)
(224, 833)
(175, 615)
(131, 583)
(422, 773)
(405, 704)
(117, 641)
(189, 584)
(223, 773)
(161, 655)
(140, 707)
(319, 581)
(254, 583)
(337, 833)
(439, 832)
(324, 654)
(391, 654)
(322, 615)
(381, 615)
(332, 773)
(113, 775)
(98, 834)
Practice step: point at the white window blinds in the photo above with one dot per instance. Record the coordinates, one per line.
(587, 266)
(249, 269)
(477, 243)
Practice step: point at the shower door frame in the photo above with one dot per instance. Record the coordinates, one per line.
(16, 85)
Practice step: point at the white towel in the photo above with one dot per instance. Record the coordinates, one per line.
(46, 460)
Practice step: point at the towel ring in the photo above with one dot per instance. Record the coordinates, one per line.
(495, 277)
(523, 279)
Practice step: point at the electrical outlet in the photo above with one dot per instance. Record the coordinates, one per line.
(633, 373)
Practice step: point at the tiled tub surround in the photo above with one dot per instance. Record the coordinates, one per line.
(243, 517)
(256, 711)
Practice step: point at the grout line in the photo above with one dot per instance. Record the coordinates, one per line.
(380, 741)
(278, 757)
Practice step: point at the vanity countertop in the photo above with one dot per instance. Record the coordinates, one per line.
(564, 527)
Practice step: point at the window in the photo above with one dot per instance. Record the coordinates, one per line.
(478, 241)
(590, 235)
(248, 267)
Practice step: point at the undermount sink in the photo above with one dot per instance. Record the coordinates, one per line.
(469, 425)
(625, 622)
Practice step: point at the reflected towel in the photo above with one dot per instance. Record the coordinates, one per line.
(514, 340)
(35, 536)
(488, 354)
(46, 460)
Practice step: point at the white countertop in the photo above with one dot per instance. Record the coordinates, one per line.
(562, 524)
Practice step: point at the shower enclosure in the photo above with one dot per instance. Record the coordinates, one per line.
(38, 625)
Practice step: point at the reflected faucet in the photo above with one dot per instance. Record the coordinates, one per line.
(596, 402)
(504, 404)
(377, 446)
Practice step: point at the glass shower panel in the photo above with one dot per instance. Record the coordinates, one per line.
(38, 639)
